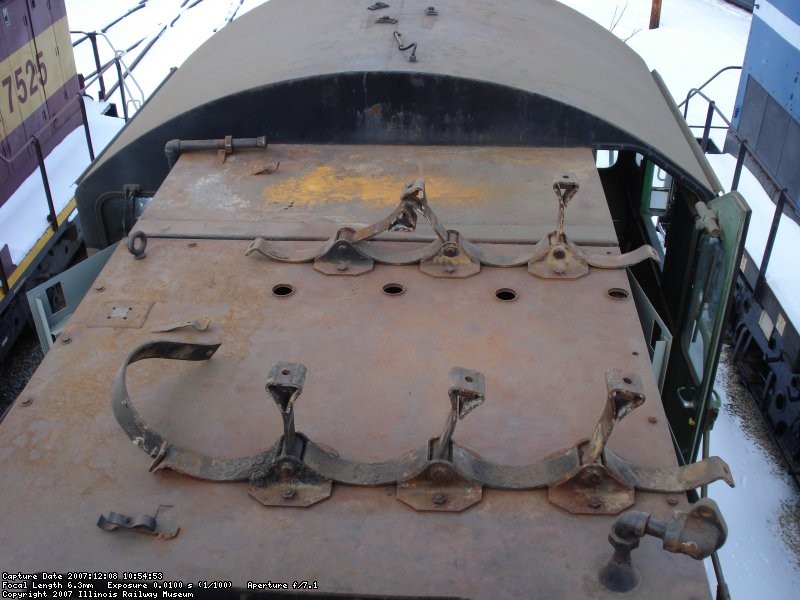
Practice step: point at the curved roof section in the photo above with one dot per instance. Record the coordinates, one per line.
(535, 46)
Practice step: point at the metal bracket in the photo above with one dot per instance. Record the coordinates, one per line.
(586, 478)
(451, 260)
(558, 258)
(286, 480)
(441, 486)
(594, 489)
(343, 258)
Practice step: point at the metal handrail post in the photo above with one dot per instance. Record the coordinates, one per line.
(773, 233)
(85, 120)
(93, 38)
(707, 128)
(121, 89)
(53, 218)
(737, 172)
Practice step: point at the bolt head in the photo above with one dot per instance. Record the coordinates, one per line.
(99, 288)
(450, 251)
(672, 500)
(652, 419)
(449, 269)
(595, 502)
(342, 266)
(288, 494)
(286, 470)
(439, 499)
(65, 339)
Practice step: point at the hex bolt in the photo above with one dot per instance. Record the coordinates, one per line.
(595, 502)
(342, 266)
(288, 494)
(559, 254)
(66, 339)
(449, 269)
(286, 470)
(450, 251)
(439, 499)
(591, 476)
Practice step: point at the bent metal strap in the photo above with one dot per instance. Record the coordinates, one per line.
(441, 475)
(349, 251)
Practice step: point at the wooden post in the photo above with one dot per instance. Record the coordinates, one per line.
(655, 14)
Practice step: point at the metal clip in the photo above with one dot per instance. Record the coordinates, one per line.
(440, 486)
(386, 20)
(377, 6)
(141, 524)
(286, 480)
(593, 488)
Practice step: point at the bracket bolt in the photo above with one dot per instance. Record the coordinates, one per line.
(449, 269)
(286, 470)
(66, 339)
(439, 499)
(672, 500)
(288, 494)
(591, 476)
(595, 502)
(342, 266)
(450, 251)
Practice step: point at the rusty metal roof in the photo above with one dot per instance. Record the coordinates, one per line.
(541, 48)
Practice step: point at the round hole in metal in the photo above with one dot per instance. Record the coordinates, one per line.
(394, 289)
(505, 295)
(627, 380)
(618, 294)
(468, 379)
(282, 290)
(285, 372)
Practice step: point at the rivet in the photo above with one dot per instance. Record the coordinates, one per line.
(99, 288)
(288, 494)
(652, 419)
(66, 339)
(672, 500)
(439, 499)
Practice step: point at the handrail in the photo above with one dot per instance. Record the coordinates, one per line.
(693, 91)
(745, 153)
(97, 75)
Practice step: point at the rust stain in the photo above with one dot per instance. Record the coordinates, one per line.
(325, 185)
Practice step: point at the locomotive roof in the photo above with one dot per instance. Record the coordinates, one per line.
(537, 48)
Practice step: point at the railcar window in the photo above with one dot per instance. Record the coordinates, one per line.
(705, 304)
(606, 158)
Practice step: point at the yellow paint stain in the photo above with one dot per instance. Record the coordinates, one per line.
(324, 185)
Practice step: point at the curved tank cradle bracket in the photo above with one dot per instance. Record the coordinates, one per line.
(349, 252)
(440, 476)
